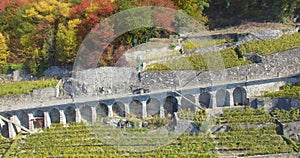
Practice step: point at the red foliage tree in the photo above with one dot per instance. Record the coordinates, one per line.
(12, 4)
(3, 4)
(91, 13)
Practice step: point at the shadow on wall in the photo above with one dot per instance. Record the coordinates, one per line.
(271, 103)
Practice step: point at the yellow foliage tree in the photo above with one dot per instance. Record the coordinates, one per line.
(3, 50)
(51, 10)
(56, 14)
(67, 42)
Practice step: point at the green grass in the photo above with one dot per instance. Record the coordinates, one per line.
(25, 87)
(150, 57)
(194, 44)
(267, 47)
(287, 91)
(208, 61)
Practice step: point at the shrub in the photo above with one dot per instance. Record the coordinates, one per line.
(10, 68)
(157, 66)
(186, 114)
(157, 121)
(200, 115)
(172, 46)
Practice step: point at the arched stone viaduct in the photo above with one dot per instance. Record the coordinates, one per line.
(140, 106)
(154, 104)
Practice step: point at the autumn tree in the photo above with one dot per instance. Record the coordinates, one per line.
(51, 13)
(14, 26)
(3, 50)
(91, 13)
(35, 47)
(156, 17)
(3, 4)
(3, 53)
(67, 42)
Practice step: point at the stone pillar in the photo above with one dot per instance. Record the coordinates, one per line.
(30, 123)
(47, 120)
(110, 110)
(77, 115)
(17, 121)
(144, 110)
(62, 117)
(127, 112)
(2, 123)
(94, 114)
(161, 109)
(214, 99)
(197, 100)
(231, 97)
(11, 129)
(179, 98)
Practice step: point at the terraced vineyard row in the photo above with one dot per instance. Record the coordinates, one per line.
(4, 145)
(252, 141)
(98, 140)
(287, 115)
(247, 116)
(81, 140)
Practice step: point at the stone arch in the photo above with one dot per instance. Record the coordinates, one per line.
(186, 102)
(136, 108)
(24, 118)
(38, 119)
(38, 113)
(170, 105)
(102, 110)
(153, 107)
(86, 113)
(4, 125)
(222, 98)
(70, 114)
(240, 96)
(205, 100)
(54, 115)
(118, 109)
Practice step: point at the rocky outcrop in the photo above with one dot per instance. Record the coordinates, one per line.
(56, 72)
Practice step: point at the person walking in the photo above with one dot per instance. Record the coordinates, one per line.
(140, 64)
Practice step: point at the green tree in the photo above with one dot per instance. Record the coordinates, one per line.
(223, 13)
(194, 8)
(36, 52)
(125, 4)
